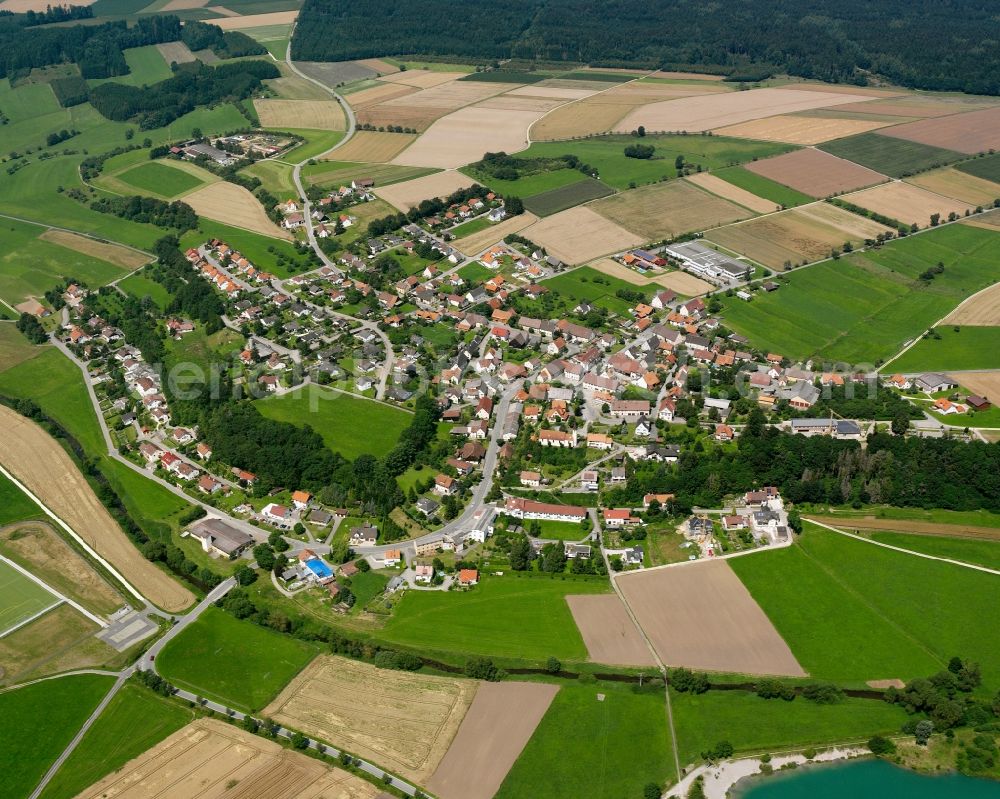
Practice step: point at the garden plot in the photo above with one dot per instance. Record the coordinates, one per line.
(580, 235)
(951, 182)
(409, 193)
(713, 111)
(909, 204)
(701, 616)
(728, 191)
(668, 209)
(802, 129)
(815, 172)
(402, 721)
(310, 114)
(233, 205)
(608, 631)
(970, 133)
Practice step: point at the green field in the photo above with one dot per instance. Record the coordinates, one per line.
(348, 425)
(204, 350)
(756, 726)
(606, 748)
(141, 286)
(20, 598)
(505, 76)
(763, 187)
(156, 178)
(135, 720)
(146, 66)
(964, 348)
(475, 273)
(39, 721)
(852, 611)
(889, 155)
(982, 552)
(256, 248)
(529, 185)
(563, 531)
(587, 284)
(520, 617)
(275, 176)
(987, 167)
(316, 143)
(556, 200)
(234, 661)
(30, 266)
(606, 154)
(470, 227)
(15, 505)
(863, 308)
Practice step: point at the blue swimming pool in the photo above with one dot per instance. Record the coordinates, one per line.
(319, 568)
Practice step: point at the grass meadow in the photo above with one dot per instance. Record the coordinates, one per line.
(39, 721)
(889, 155)
(529, 185)
(334, 174)
(236, 662)
(755, 725)
(146, 65)
(160, 179)
(522, 617)
(982, 552)
(140, 286)
(556, 200)
(763, 187)
(15, 505)
(863, 308)
(316, 143)
(348, 425)
(588, 285)
(599, 748)
(20, 598)
(853, 612)
(135, 720)
(957, 348)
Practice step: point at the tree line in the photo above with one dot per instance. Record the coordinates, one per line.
(920, 44)
(176, 214)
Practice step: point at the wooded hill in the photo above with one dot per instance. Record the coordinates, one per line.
(917, 43)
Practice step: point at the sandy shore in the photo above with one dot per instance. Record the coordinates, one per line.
(720, 778)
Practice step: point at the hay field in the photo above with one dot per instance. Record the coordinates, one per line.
(402, 721)
(720, 110)
(176, 52)
(496, 729)
(608, 631)
(378, 94)
(729, 191)
(815, 172)
(980, 310)
(798, 236)
(409, 193)
(700, 615)
(37, 460)
(310, 114)
(580, 235)
(801, 130)
(960, 185)
(909, 204)
(371, 147)
(477, 242)
(971, 132)
(255, 20)
(462, 137)
(421, 79)
(233, 205)
(668, 209)
(210, 759)
(112, 253)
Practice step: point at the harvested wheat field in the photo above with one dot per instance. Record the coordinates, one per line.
(378, 94)
(816, 173)
(508, 103)
(911, 526)
(233, 205)
(477, 242)
(580, 234)
(371, 147)
(209, 759)
(989, 220)
(695, 114)
(462, 137)
(38, 462)
(176, 51)
(422, 79)
(377, 64)
(598, 114)
(454, 95)
(409, 193)
(960, 185)
(726, 190)
(985, 384)
(255, 20)
(405, 722)
(550, 92)
(908, 204)
(798, 236)
(382, 115)
(311, 114)
(497, 727)
(971, 132)
(608, 631)
(112, 253)
(979, 310)
(668, 209)
(611, 267)
(701, 616)
(801, 130)
(683, 283)
(921, 106)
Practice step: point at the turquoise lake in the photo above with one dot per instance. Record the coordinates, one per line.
(866, 779)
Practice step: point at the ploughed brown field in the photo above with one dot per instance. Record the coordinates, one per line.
(608, 631)
(701, 616)
(816, 173)
(209, 759)
(36, 460)
(497, 727)
(971, 132)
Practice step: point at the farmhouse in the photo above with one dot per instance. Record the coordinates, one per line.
(529, 509)
(932, 382)
(219, 538)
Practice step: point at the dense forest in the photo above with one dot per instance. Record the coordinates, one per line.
(225, 44)
(161, 213)
(917, 43)
(192, 85)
